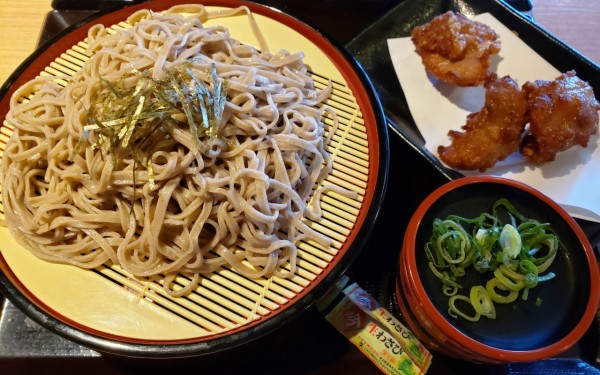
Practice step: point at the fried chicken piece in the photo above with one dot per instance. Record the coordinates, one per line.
(562, 113)
(491, 134)
(455, 49)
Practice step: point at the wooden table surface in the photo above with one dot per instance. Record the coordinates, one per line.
(575, 21)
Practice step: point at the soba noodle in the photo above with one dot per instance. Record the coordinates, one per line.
(237, 198)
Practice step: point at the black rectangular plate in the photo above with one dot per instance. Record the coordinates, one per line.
(403, 193)
(370, 49)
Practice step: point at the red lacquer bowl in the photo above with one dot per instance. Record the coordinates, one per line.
(522, 331)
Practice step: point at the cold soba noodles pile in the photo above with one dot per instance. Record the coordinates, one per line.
(175, 149)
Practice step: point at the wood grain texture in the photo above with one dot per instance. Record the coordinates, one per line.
(20, 25)
(574, 21)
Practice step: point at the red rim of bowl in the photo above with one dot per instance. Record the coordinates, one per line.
(418, 321)
(364, 92)
(414, 325)
(417, 328)
(495, 354)
(433, 337)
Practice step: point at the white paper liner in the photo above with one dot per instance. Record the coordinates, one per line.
(572, 180)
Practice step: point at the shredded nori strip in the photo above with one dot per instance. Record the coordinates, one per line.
(133, 120)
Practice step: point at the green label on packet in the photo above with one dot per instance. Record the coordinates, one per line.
(376, 333)
(405, 337)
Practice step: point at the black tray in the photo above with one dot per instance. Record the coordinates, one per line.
(404, 193)
(370, 49)
(310, 344)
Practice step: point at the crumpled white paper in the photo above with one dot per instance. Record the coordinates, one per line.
(572, 180)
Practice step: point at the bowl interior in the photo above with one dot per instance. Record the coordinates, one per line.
(520, 325)
(109, 310)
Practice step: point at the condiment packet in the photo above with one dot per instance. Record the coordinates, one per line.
(378, 334)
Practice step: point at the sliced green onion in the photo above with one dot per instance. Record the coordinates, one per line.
(510, 240)
(516, 249)
(512, 280)
(529, 272)
(546, 277)
(455, 312)
(482, 302)
(444, 278)
(508, 295)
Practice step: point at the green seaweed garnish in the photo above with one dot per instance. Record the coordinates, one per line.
(133, 120)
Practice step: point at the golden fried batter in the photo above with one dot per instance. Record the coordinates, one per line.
(455, 49)
(491, 134)
(562, 113)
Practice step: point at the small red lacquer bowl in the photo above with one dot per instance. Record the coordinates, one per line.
(524, 330)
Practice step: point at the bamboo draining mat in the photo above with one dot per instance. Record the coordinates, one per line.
(226, 301)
